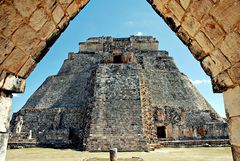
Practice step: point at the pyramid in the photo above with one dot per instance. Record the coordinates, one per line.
(116, 92)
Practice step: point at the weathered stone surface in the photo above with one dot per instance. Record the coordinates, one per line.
(234, 130)
(58, 14)
(199, 8)
(5, 47)
(197, 51)
(38, 18)
(185, 3)
(204, 42)
(14, 61)
(232, 101)
(222, 82)
(27, 68)
(14, 84)
(190, 24)
(47, 30)
(26, 7)
(116, 93)
(26, 38)
(72, 9)
(3, 75)
(209, 66)
(3, 147)
(212, 30)
(222, 13)
(230, 47)
(219, 58)
(9, 19)
(6, 107)
(234, 73)
(176, 9)
(49, 5)
(236, 152)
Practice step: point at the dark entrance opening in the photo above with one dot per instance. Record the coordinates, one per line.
(161, 132)
(117, 59)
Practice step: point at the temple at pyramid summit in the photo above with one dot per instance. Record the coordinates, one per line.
(120, 93)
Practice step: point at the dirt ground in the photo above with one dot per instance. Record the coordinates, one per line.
(163, 154)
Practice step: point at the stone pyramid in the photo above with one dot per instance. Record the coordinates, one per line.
(116, 92)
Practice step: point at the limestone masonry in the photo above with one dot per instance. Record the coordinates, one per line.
(116, 93)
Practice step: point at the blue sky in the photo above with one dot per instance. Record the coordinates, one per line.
(119, 18)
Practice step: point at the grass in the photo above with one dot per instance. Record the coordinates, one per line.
(107, 159)
(163, 154)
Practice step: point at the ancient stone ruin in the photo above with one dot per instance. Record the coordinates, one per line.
(117, 93)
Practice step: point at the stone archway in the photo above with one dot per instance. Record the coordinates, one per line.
(210, 29)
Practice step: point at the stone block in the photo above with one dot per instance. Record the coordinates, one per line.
(204, 42)
(190, 24)
(14, 84)
(38, 19)
(176, 9)
(234, 130)
(212, 30)
(220, 60)
(197, 51)
(49, 5)
(6, 46)
(27, 68)
(184, 37)
(14, 61)
(185, 3)
(73, 9)
(10, 20)
(171, 19)
(226, 12)
(6, 107)
(58, 14)
(199, 8)
(159, 4)
(222, 82)
(26, 7)
(63, 23)
(65, 3)
(209, 66)
(232, 102)
(26, 39)
(234, 73)
(230, 47)
(47, 30)
(40, 51)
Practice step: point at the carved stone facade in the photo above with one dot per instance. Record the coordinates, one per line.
(117, 92)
